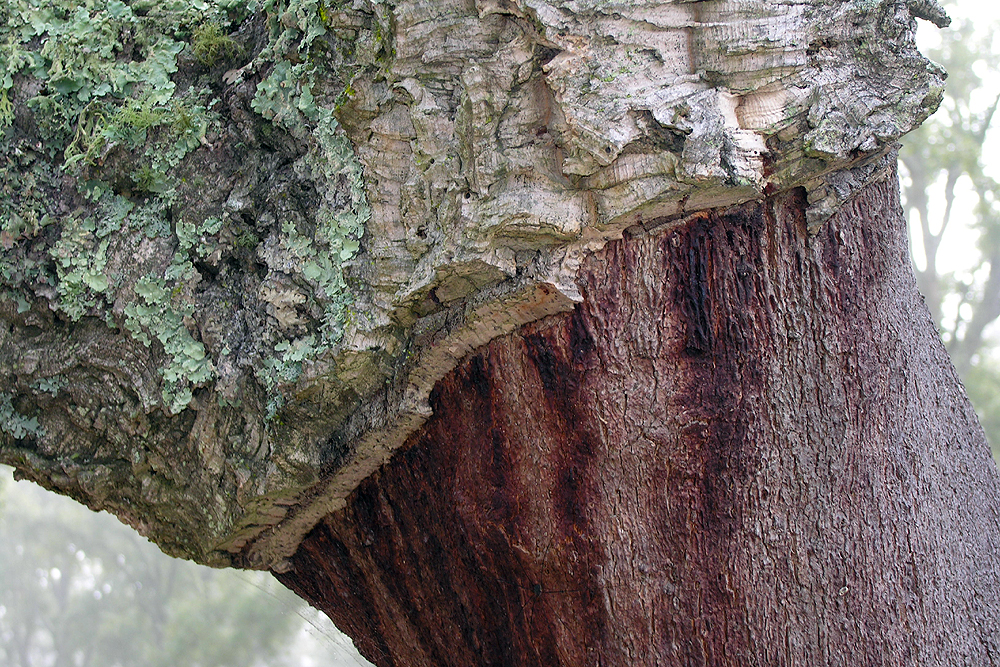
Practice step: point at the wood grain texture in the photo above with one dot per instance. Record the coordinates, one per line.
(745, 446)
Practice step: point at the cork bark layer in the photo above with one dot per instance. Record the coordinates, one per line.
(227, 297)
(744, 446)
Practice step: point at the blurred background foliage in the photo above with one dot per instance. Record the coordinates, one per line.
(80, 589)
(951, 198)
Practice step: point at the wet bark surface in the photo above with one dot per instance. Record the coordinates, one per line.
(746, 446)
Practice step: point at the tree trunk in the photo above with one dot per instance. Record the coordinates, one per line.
(746, 446)
(505, 331)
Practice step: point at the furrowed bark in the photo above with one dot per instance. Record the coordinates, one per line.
(745, 446)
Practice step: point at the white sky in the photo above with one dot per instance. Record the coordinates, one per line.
(958, 251)
(958, 248)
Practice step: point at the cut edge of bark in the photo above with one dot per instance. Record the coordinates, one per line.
(381, 427)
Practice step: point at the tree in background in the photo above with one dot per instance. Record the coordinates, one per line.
(940, 160)
(79, 588)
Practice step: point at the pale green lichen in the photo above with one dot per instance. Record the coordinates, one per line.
(109, 112)
(14, 423)
(192, 236)
(23, 200)
(81, 255)
(340, 228)
(286, 97)
(51, 385)
(158, 312)
(22, 304)
(286, 366)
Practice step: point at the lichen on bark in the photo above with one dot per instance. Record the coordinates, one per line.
(197, 214)
(238, 277)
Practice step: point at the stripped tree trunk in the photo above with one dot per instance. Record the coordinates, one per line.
(556, 332)
(746, 446)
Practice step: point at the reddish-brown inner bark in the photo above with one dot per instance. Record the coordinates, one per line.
(745, 447)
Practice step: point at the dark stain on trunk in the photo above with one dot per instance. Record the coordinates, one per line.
(692, 263)
(343, 591)
(577, 448)
(581, 341)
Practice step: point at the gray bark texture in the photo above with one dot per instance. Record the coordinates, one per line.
(506, 331)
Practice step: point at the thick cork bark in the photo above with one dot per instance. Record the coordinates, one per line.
(745, 446)
(376, 189)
